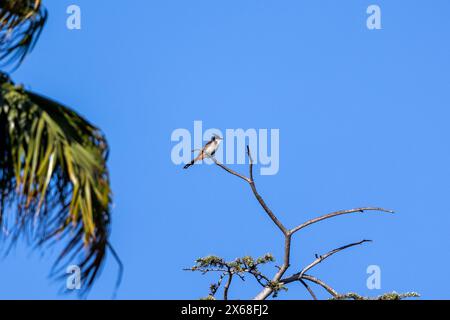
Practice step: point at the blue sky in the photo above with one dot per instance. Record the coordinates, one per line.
(363, 118)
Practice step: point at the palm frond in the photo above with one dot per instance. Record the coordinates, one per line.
(21, 23)
(54, 183)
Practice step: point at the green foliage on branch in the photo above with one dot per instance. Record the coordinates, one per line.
(21, 23)
(240, 267)
(387, 296)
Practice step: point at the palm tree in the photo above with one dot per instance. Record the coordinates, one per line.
(21, 23)
(54, 182)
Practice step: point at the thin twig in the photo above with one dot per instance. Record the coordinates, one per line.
(205, 270)
(260, 199)
(229, 170)
(216, 287)
(318, 260)
(329, 289)
(337, 213)
(309, 289)
(329, 254)
(259, 277)
(251, 182)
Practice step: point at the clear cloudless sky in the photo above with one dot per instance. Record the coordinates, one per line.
(363, 118)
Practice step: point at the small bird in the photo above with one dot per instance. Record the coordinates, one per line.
(208, 150)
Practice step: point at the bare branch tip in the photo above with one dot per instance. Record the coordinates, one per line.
(386, 210)
(249, 154)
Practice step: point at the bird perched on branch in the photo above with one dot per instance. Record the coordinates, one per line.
(208, 150)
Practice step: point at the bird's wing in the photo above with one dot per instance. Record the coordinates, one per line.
(202, 155)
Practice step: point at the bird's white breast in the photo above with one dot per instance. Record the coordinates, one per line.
(212, 147)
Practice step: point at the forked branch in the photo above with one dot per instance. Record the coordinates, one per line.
(277, 282)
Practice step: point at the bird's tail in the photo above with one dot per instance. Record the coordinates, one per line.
(189, 164)
(199, 157)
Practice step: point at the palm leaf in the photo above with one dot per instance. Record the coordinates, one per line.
(21, 23)
(54, 183)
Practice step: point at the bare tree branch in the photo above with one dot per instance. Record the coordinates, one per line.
(319, 259)
(251, 182)
(309, 289)
(260, 199)
(227, 286)
(335, 214)
(259, 277)
(229, 170)
(268, 290)
(329, 289)
(274, 285)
